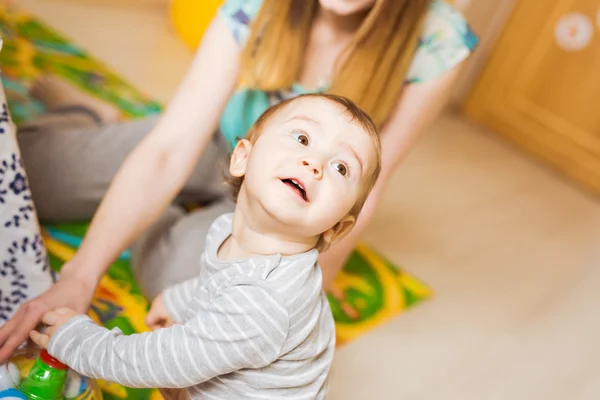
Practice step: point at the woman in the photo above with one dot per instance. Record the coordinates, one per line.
(396, 58)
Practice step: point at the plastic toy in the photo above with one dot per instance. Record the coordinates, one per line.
(9, 376)
(75, 386)
(46, 379)
(12, 394)
(33, 374)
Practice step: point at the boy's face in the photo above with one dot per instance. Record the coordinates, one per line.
(308, 167)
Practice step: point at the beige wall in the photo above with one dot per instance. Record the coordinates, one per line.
(487, 18)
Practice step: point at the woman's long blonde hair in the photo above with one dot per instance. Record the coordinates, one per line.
(375, 63)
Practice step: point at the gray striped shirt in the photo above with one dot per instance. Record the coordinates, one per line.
(254, 328)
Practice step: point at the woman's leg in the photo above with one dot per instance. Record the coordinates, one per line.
(72, 153)
(169, 252)
(56, 93)
(71, 167)
(70, 162)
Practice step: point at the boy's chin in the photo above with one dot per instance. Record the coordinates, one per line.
(290, 220)
(305, 221)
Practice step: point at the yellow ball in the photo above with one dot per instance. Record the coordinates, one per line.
(191, 18)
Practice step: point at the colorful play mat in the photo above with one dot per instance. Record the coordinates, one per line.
(373, 290)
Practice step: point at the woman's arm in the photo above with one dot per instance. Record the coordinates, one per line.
(157, 169)
(418, 106)
(146, 183)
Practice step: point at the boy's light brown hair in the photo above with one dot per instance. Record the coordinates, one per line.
(356, 114)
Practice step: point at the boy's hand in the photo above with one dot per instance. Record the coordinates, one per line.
(158, 316)
(54, 319)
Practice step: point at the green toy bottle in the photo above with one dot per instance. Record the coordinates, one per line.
(46, 379)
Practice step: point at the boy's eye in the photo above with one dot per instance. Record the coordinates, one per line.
(301, 138)
(340, 167)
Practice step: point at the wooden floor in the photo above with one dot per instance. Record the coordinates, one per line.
(512, 250)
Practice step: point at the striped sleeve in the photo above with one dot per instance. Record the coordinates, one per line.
(244, 327)
(177, 298)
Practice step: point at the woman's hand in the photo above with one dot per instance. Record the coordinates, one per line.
(70, 291)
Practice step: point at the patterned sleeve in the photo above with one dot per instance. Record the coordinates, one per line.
(238, 15)
(447, 40)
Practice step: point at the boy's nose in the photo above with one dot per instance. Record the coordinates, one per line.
(314, 166)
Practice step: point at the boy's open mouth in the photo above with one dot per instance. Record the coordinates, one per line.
(296, 186)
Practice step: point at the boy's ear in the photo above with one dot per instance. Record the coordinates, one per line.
(340, 230)
(239, 158)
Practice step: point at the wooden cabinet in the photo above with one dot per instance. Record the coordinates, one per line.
(541, 87)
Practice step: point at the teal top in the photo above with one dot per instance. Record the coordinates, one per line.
(447, 40)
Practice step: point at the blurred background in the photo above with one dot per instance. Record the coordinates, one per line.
(496, 209)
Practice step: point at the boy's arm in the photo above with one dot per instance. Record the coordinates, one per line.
(245, 326)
